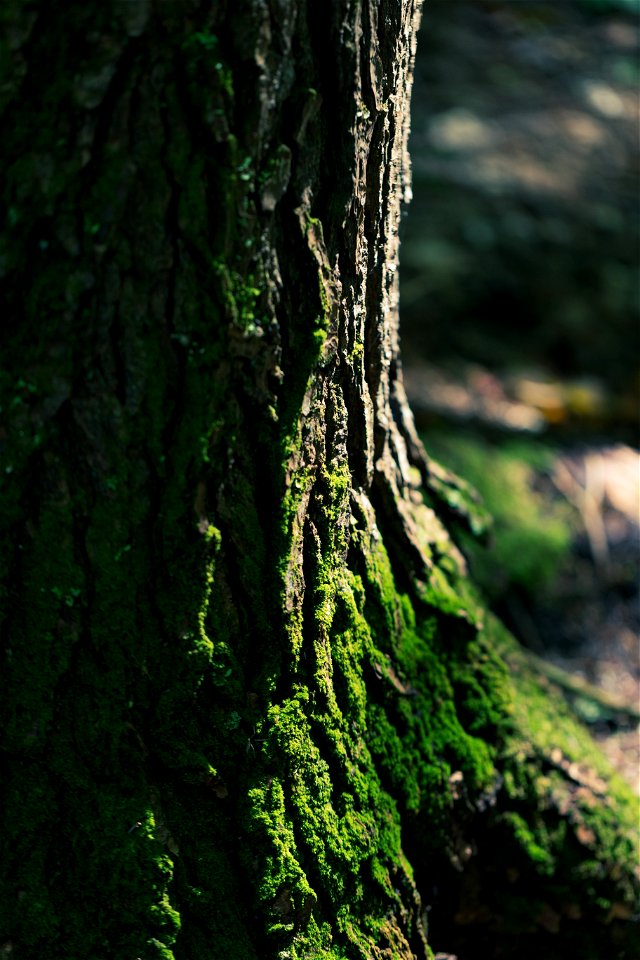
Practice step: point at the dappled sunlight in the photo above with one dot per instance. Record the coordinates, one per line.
(519, 309)
(520, 249)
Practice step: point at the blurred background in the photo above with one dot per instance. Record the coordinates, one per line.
(520, 321)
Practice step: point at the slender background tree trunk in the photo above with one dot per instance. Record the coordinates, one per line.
(248, 706)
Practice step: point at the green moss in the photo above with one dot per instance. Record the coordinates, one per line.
(531, 533)
(351, 759)
(401, 710)
(223, 719)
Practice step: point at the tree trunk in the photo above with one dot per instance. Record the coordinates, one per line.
(251, 707)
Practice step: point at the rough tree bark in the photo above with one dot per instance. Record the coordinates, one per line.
(250, 705)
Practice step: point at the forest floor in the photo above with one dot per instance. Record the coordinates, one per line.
(519, 306)
(562, 565)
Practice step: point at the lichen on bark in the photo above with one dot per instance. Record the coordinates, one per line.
(251, 707)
